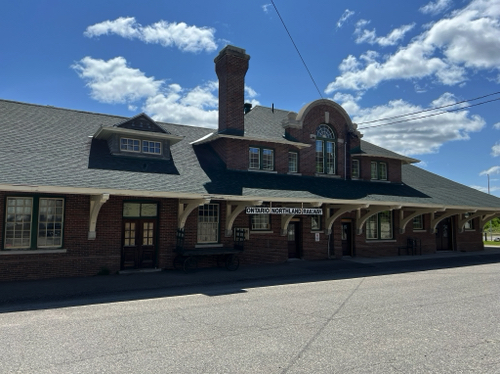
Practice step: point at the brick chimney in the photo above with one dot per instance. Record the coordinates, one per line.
(231, 65)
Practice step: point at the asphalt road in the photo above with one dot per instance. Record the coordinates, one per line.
(409, 320)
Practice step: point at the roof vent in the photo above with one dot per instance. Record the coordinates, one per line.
(247, 107)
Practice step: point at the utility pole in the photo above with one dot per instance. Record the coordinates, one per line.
(491, 237)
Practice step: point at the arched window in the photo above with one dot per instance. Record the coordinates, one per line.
(325, 150)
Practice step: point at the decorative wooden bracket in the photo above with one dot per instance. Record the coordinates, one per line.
(463, 220)
(231, 213)
(341, 209)
(360, 220)
(403, 221)
(186, 207)
(485, 217)
(448, 213)
(96, 202)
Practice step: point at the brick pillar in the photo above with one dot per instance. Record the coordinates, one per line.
(231, 66)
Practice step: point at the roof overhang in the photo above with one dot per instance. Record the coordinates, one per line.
(214, 136)
(26, 188)
(105, 132)
(404, 159)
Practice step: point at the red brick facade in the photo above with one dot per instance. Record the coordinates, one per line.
(84, 257)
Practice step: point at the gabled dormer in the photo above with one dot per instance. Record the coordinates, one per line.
(137, 144)
(139, 136)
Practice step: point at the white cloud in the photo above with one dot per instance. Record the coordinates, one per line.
(422, 136)
(113, 81)
(495, 150)
(497, 125)
(186, 38)
(266, 7)
(436, 7)
(370, 36)
(469, 39)
(491, 171)
(344, 17)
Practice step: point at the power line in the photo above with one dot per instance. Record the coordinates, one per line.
(429, 110)
(429, 115)
(296, 48)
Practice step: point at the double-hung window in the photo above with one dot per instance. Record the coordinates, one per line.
(208, 223)
(315, 223)
(379, 170)
(418, 222)
(293, 162)
(260, 158)
(355, 169)
(325, 150)
(379, 226)
(260, 222)
(33, 222)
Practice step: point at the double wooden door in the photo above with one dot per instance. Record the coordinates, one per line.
(139, 247)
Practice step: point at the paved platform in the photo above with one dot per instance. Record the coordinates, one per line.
(170, 282)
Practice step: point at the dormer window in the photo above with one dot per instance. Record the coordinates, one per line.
(325, 150)
(260, 159)
(151, 147)
(130, 145)
(133, 145)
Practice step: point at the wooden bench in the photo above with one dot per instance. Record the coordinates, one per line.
(187, 259)
(412, 246)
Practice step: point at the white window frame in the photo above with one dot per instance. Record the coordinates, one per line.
(208, 224)
(316, 223)
(130, 145)
(418, 222)
(260, 158)
(254, 152)
(260, 222)
(41, 215)
(146, 147)
(378, 170)
(353, 168)
(326, 162)
(53, 222)
(377, 229)
(293, 162)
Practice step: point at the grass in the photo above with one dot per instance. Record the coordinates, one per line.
(489, 242)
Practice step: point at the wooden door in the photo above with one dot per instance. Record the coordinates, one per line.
(346, 239)
(139, 249)
(293, 236)
(444, 235)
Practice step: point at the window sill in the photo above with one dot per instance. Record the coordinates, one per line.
(419, 230)
(381, 240)
(327, 175)
(264, 171)
(262, 232)
(317, 232)
(31, 251)
(380, 180)
(293, 173)
(214, 245)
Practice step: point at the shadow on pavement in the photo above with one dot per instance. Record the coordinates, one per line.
(213, 282)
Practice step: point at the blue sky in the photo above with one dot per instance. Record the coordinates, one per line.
(379, 59)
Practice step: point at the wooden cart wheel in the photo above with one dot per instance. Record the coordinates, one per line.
(190, 264)
(178, 262)
(232, 262)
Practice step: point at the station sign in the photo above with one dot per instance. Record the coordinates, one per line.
(284, 211)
